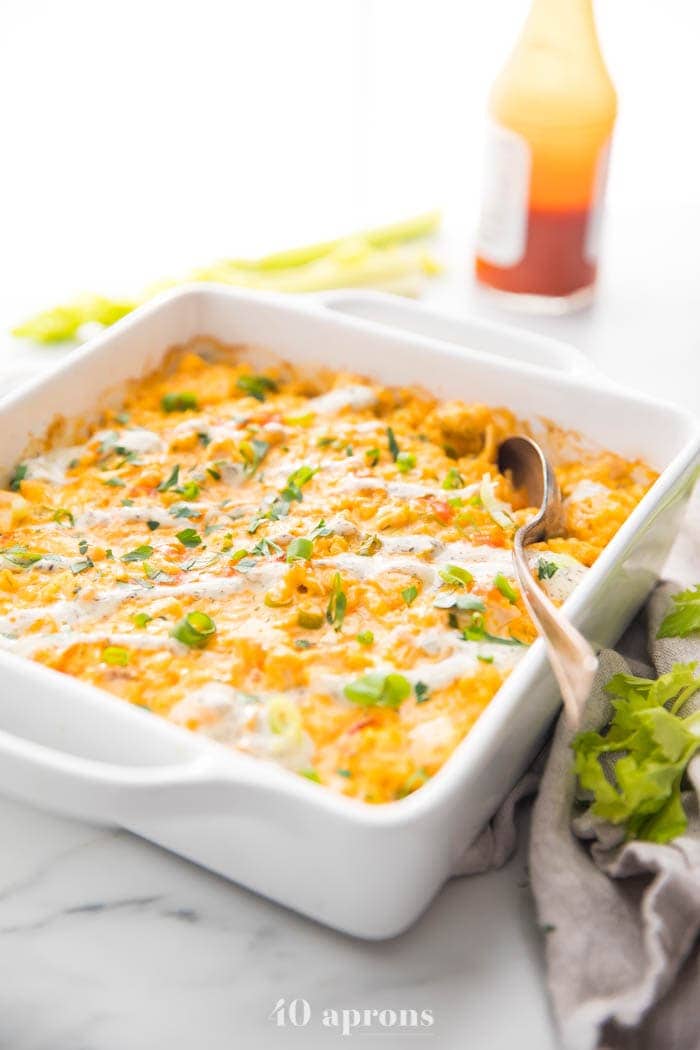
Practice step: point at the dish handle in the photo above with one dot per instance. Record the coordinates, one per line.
(472, 333)
(102, 792)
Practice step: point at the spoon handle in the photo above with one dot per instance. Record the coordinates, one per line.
(572, 658)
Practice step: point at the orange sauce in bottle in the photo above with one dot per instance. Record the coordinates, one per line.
(552, 112)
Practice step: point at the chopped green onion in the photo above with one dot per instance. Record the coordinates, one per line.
(372, 456)
(190, 490)
(21, 557)
(337, 603)
(115, 483)
(115, 655)
(153, 525)
(256, 386)
(476, 633)
(378, 690)
(506, 588)
(453, 479)
(253, 453)
(456, 575)
(497, 510)
(189, 538)
(464, 602)
(392, 443)
(195, 630)
(141, 619)
(311, 621)
(62, 515)
(311, 774)
(405, 461)
(178, 402)
(365, 637)
(18, 474)
(484, 659)
(300, 549)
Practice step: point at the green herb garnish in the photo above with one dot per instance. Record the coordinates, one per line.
(62, 515)
(253, 453)
(546, 569)
(372, 456)
(21, 557)
(153, 525)
(138, 553)
(115, 483)
(256, 386)
(365, 637)
(18, 474)
(81, 566)
(506, 588)
(195, 630)
(311, 621)
(456, 576)
(405, 461)
(115, 655)
(378, 690)
(189, 538)
(337, 603)
(464, 602)
(410, 594)
(300, 549)
(422, 692)
(141, 619)
(171, 480)
(453, 479)
(178, 402)
(393, 444)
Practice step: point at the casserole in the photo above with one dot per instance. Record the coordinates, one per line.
(368, 871)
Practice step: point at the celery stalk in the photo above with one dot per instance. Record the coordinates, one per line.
(389, 258)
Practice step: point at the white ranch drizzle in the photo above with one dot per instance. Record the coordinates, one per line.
(355, 397)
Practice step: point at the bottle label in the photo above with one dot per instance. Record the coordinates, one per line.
(502, 234)
(595, 216)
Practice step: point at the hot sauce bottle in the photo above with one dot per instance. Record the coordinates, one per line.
(552, 111)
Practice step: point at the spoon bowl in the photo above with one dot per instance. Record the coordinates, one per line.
(572, 658)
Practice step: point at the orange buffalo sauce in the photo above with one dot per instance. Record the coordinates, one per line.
(552, 113)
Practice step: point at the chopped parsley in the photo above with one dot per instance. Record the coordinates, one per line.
(546, 569)
(138, 553)
(410, 594)
(21, 557)
(81, 566)
(115, 483)
(253, 453)
(422, 692)
(153, 525)
(171, 480)
(189, 538)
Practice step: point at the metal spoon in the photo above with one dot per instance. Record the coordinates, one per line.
(572, 658)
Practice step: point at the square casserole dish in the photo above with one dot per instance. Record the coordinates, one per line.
(367, 870)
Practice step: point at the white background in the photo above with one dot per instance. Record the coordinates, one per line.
(141, 138)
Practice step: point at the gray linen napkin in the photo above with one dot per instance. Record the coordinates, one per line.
(622, 920)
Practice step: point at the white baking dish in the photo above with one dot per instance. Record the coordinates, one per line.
(367, 870)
